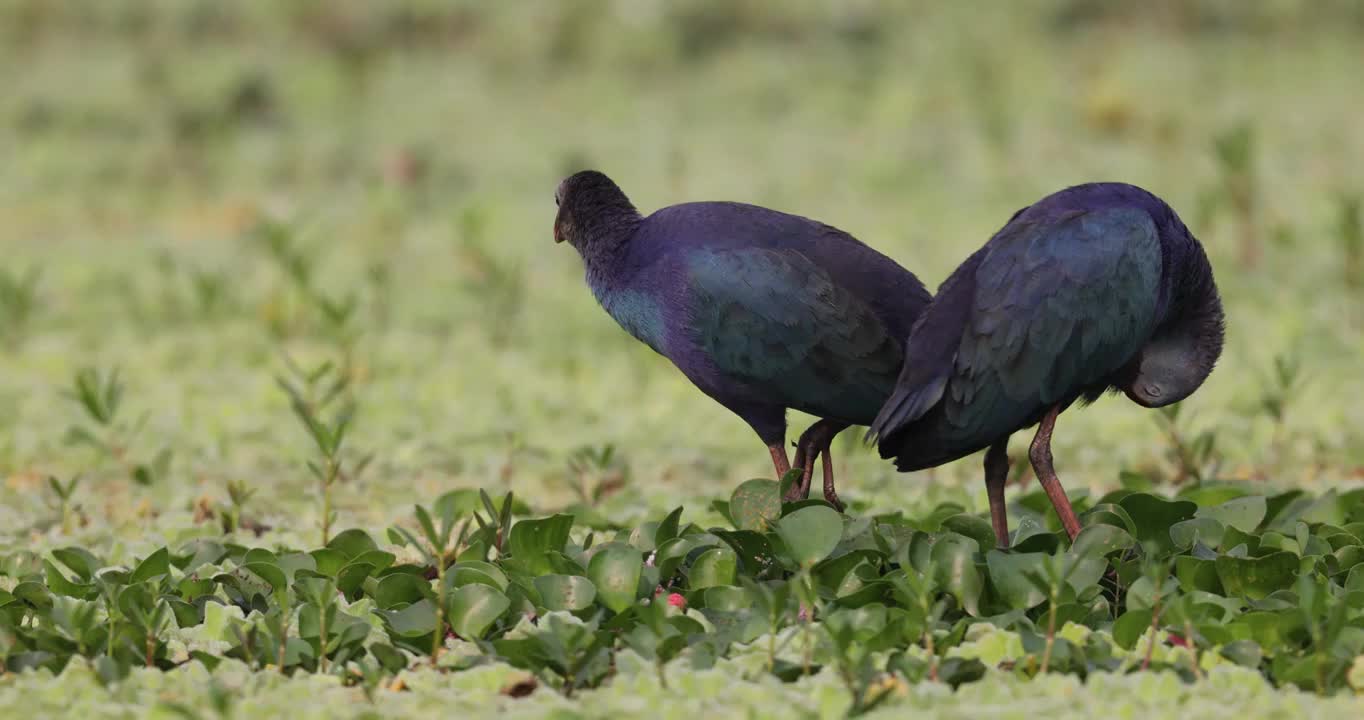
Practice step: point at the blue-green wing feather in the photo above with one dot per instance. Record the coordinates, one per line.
(1045, 311)
(776, 322)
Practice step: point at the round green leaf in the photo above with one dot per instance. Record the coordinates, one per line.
(727, 599)
(1255, 578)
(1244, 514)
(414, 620)
(953, 557)
(713, 567)
(1100, 540)
(565, 592)
(811, 533)
(755, 504)
(400, 589)
(615, 569)
(474, 608)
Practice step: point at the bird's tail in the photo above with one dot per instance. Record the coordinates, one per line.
(906, 404)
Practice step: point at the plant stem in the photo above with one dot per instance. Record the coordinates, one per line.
(1193, 652)
(928, 645)
(662, 676)
(1051, 632)
(322, 638)
(330, 477)
(151, 648)
(438, 641)
(1155, 626)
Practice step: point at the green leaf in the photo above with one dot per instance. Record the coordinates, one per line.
(1255, 578)
(79, 560)
(412, 621)
(716, 566)
(59, 585)
(1129, 628)
(1244, 513)
(328, 561)
(727, 599)
(810, 533)
(755, 505)
(667, 530)
(352, 543)
(974, 527)
(531, 540)
(474, 609)
(400, 589)
(476, 571)
(1153, 517)
(153, 566)
(614, 570)
(1199, 529)
(1009, 574)
(953, 557)
(1101, 540)
(565, 592)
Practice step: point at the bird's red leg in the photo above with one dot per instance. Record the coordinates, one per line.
(829, 494)
(805, 461)
(996, 473)
(779, 460)
(1040, 455)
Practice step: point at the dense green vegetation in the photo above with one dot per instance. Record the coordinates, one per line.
(276, 273)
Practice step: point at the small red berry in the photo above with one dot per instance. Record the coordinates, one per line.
(677, 601)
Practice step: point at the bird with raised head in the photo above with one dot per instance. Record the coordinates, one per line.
(762, 310)
(1095, 288)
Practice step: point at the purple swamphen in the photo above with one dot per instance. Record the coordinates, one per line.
(1097, 287)
(761, 310)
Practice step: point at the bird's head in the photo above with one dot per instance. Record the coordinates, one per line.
(1188, 341)
(592, 209)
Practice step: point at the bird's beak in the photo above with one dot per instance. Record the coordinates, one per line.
(558, 238)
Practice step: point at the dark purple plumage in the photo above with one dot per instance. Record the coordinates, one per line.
(761, 310)
(1097, 287)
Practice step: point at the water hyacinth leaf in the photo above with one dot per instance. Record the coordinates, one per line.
(565, 592)
(974, 527)
(153, 566)
(953, 557)
(1153, 517)
(1244, 513)
(1100, 540)
(328, 562)
(713, 567)
(415, 620)
(271, 574)
(400, 589)
(352, 543)
(1129, 628)
(1255, 578)
(1199, 529)
(1009, 574)
(668, 528)
(474, 608)
(475, 571)
(531, 540)
(727, 599)
(811, 533)
(755, 505)
(614, 570)
(79, 560)
(352, 577)
(59, 585)
(755, 552)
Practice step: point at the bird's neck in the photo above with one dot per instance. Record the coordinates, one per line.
(607, 231)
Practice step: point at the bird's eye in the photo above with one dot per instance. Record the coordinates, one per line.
(556, 199)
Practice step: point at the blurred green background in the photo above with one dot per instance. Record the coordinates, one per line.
(190, 191)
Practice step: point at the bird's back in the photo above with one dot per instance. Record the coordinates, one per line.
(1045, 313)
(893, 293)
